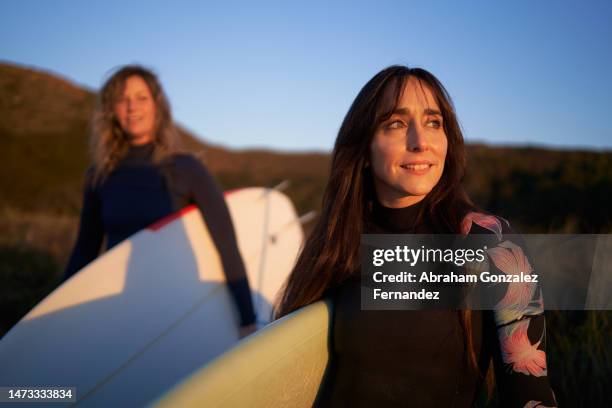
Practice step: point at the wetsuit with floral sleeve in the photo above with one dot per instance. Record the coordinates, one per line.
(401, 358)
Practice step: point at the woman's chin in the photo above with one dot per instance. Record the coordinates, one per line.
(403, 199)
(136, 139)
(418, 192)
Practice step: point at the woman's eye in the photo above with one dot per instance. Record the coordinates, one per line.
(434, 123)
(397, 124)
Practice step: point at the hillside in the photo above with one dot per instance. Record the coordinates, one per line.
(44, 124)
(43, 148)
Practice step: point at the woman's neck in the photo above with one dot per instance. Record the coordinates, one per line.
(396, 220)
(138, 154)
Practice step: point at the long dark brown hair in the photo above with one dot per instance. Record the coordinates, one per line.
(108, 143)
(331, 253)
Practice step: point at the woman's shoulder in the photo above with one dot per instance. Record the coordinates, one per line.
(479, 222)
(183, 158)
(187, 162)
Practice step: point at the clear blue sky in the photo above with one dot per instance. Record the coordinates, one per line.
(283, 74)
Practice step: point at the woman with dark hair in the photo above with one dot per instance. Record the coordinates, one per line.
(397, 167)
(138, 176)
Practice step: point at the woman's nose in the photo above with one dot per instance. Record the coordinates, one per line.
(131, 104)
(415, 139)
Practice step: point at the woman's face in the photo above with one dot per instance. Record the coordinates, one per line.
(408, 150)
(135, 111)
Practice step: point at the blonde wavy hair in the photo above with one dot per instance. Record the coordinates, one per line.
(108, 142)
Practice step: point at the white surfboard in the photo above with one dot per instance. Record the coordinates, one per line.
(280, 366)
(154, 308)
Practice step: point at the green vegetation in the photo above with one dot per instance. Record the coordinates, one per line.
(43, 150)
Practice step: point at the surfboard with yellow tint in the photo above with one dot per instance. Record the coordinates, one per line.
(280, 366)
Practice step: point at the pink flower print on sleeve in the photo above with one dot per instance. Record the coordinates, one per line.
(510, 258)
(486, 221)
(536, 404)
(519, 297)
(519, 353)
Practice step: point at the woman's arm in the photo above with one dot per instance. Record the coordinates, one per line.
(91, 231)
(520, 348)
(209, 199)
(519, 344)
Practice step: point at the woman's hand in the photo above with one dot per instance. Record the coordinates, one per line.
(246, 330)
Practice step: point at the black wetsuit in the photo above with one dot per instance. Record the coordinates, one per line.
(418, 358)
(138, 192)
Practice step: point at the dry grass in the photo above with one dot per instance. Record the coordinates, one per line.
(50, 234)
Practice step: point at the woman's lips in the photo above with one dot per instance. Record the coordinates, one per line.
(417, 168)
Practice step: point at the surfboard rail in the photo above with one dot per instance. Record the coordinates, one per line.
(281, 365)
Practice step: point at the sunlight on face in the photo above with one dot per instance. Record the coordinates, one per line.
(135, 111)
(408, 150)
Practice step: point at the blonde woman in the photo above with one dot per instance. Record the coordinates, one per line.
(137, 177)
